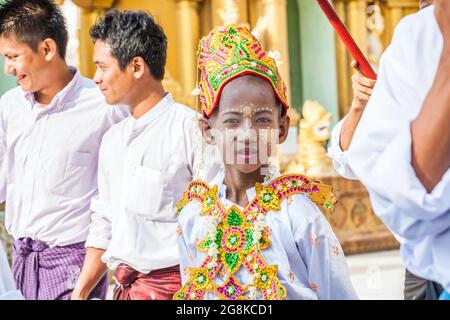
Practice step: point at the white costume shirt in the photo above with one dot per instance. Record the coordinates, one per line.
(311, 263)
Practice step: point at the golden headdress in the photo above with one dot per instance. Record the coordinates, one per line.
(228, 53)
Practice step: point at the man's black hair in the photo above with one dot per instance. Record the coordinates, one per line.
(132, 34)
(32, 21)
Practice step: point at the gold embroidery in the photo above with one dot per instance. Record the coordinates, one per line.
(239, 238)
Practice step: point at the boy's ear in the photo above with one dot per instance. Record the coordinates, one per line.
(206, 130)
(138, 67)
(49, 48)
(285, 122)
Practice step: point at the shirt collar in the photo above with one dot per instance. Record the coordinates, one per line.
(153, 113)
(62, 97)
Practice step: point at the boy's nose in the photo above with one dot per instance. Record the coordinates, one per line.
(8, 69)
(97, 79)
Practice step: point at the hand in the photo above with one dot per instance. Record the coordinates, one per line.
(442, 13)
(362, 88)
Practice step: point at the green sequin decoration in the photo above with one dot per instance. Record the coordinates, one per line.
(231, 259)
(249, 239)
(181, 296)
(267, 197)
(328, 205)
(209, 201)
(232, 241)
(280, 291)
(234, 220)
(201, 279)
(231, 290)
(294, 184)
(264, 278)
(206, 244)
(219, 238)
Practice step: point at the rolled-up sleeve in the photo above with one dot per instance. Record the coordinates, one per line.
(339, 156)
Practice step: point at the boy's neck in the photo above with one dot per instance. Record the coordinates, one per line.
(61, 77)
(238, 182)
(146, 98)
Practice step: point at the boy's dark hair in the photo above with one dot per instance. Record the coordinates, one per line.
(133, 34)
(32, 21)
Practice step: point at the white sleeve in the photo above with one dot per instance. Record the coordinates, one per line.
(337, 155)
(380, 153)
(100, 229)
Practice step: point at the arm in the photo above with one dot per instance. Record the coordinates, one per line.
(430, 130)
(93, 270)
(342, 134)
(362, 90)
(98, 238)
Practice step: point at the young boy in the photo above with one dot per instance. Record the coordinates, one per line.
(253, 234)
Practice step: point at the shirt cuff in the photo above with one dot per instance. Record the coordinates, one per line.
(337, 155)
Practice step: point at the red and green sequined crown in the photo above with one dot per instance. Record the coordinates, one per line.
(228, 53)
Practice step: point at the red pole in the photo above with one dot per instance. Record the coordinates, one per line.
(345, 36)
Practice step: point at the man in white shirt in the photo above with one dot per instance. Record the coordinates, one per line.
(401, 148)
(50, 132)
(416, 288)
(145, 163)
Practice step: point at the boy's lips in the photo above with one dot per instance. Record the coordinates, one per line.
(21, 77)
(247, 152)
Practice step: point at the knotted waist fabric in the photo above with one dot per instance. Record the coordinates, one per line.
(50, 273)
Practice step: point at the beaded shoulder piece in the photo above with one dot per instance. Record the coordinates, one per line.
(239, 236)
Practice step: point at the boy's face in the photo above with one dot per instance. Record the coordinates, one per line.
(21, 62)
(114, 83)
(247, 124)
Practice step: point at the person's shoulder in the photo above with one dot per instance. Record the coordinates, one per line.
(418, 24)
(113, 134)
(15, 94)
(183, 112)
(304, 208)
(303, 195)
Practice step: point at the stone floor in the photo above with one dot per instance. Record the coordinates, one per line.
(375, 276)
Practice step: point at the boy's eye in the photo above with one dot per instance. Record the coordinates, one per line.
(231, 121)
(263, 120)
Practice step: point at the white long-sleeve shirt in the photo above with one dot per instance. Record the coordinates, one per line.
(48, 155)
(380, 153)
(144, 167)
